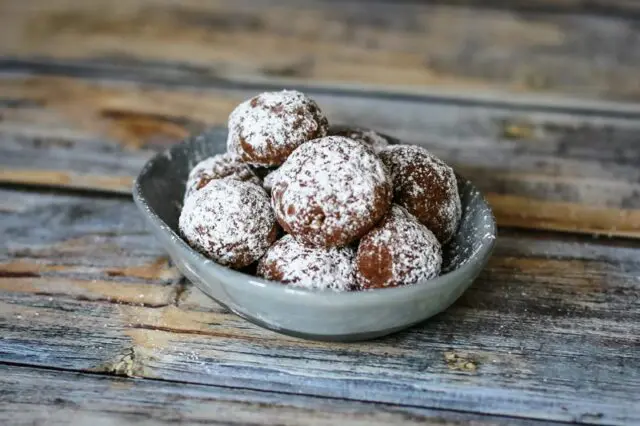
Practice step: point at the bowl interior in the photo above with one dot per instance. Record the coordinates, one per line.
(161, 183)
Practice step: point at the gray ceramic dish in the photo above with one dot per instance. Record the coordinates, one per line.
(319, 315)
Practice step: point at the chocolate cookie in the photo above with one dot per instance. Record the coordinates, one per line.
(229, 221)
(222, 166)
(368, 137)
(291, 262)
(399, 251)
(331, 191)
(264, 130)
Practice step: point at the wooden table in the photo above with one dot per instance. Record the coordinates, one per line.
(535, 102)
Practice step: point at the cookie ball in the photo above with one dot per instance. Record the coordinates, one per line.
(369, 137)
(399, 251)
(265, 129)
(426, 187)
(222, 166)
(229, 221)
(330, 192)
(291, 262)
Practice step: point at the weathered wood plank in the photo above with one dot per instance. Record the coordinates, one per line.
(597, 7)
(382, 43)
(541, 166)
(88, 248)
(446, 364)
(549, 331)
(33, 396)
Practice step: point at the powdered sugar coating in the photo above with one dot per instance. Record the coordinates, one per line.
(229, 221)
(270, 180)
(369, 137)
(399, 251)
(426, 187)
(331, 191)
(291, 262)
(221, 166)
(265, 129)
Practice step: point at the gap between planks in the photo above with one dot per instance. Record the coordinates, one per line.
(168, 76)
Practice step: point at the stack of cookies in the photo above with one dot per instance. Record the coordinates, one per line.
(296, 201)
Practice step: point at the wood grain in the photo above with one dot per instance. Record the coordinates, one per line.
(33, 396)
(549, 330)
(88, 248)
(544, 166)
(415, 44)
(597, 7)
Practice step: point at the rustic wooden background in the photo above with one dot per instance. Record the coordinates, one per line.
(535, 101)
